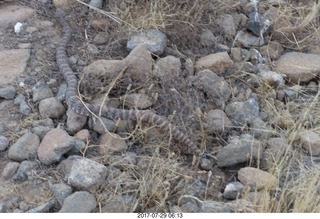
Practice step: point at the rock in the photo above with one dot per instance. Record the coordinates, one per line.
(259, 129)
(236, 54)
(233, 190)
(310, 142)
(215, 207)
(3, 208)
(41, 131)
(52, 108)
(189, 67)
(240, 20)
(189, 204)
(167, 67)
(137, 101)
(60, 192)
(11, 14)
(96, 125)
(111, 142)
(258, 24)
(25, 148)
(24, 107)
(139, 64)
(256, 179)
(23, 206)
(92, 49)
(298, 67)
(75, 122)
(154, 39)
(118, 204)
(9, 170)
(96, 3)
(100, 38)
(271, 78)
(41, 91)
(206, 164)
(44, 208)
(248, 40)
(54, 145)
(83, 135)
(104, 68)
(207, 38)
(79, 202)
(82, 173)
(226, 22)
(24, 170)
(217, 62)
(13, 63)
(272, 51)
(64, 4)
(123, 161)
(239, 151)
(7, 92)
(217, 121)
(216, 89)
(277, 147)
(243, 112)
(4, 142)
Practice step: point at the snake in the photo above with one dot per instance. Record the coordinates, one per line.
(74, 102)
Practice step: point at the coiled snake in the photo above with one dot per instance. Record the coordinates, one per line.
(77, 106)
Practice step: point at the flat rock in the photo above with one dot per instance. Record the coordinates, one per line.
(44, 208)
(256, 178)
(275, 151)
(61, 191)
(233, 190)
(137, 101)
(139, 64)
(11, 14)
(111, 142)
(102, 125)
(226, 22)
(55, 143)
(83, 135)
(248, 40)
(104, 68)
(79, 202)
(207, 38)
(4, 142)
(273, 50)
(217, 62)
(13, 63)
(310, 142)
(118, 204)
(24, 170)
(75, 122)
(271, 78)
(7, 92)
(154, 39)
(216, 89)
(41, 91)
(167, 67)
(239, 150)
(25, 148)
(9, 170)
(82, 173)
(298, 67)
(52, 108)
(217, 121)
(242, 112)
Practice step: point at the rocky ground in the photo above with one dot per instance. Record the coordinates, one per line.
(240, 78)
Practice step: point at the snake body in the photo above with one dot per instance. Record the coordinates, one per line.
(73, 101)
